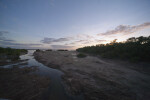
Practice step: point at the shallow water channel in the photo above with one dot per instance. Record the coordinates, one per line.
(56, 90)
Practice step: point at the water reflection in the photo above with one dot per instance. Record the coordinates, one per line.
(56, 89)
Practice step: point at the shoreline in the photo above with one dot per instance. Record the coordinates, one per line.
(96, 78)
(9, 61)
(20, 84)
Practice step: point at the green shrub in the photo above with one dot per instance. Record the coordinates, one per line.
(10, 53)
(38, 50)
(81, 55)
(133, 49)
(62, 50)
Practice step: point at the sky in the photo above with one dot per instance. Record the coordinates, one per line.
(70, 24)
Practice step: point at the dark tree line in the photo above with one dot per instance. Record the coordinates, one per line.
(133, 49)
(10, 53)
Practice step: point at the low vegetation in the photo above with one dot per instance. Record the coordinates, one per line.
(81, 55)
(61, 50)
(38, 50)
(12, 54)
(49, 50)
(133, 49)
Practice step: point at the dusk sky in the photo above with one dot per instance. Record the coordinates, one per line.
(69, 24)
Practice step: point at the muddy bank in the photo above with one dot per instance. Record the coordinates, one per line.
(99, 79)
(19, 84)
(8, 62)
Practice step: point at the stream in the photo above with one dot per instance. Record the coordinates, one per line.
(56, 90)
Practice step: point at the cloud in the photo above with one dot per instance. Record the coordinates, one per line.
(12, 43)
(52, 40)
(3, 32)
(86, 42)
(5, 42)
(126, 29)
(95, 41)
(84, 36)
(100, 41)
(78, 38)
(3, 39)
(61, 47)
(78, 42)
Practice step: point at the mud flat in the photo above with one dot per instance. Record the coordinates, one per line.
(19, 84)
(97, 78)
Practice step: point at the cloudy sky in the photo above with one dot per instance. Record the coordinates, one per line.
(69, 24)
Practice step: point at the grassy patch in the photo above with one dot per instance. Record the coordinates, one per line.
(81, 55)
(11, 54)
(62, 50)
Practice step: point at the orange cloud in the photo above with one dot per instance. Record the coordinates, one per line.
(126, 29)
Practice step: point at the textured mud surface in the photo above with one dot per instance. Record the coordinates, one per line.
(99, 79)
(19, 84)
